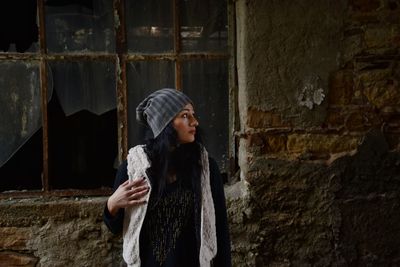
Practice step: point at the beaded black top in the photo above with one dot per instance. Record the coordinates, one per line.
(168, 234)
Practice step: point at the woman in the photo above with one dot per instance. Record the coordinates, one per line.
(169, 200)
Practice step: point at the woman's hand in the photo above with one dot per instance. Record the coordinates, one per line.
(127, 194)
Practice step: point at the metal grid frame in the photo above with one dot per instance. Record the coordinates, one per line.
(120, 58)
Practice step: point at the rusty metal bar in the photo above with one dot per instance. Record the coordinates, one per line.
(45, 126)
(80, 57)
(177, 44)
(56, 193)
(233, 93)
(180, 57)
(111, 57)
(19, 56)
(43, 89)
(59, 57)
(120, 75)
(42, 28)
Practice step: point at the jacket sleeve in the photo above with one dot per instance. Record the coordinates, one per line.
(223, 257)
(115, 223)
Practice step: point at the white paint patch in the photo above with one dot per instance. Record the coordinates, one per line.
(312, 93)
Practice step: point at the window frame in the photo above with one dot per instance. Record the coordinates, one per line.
(121, 57)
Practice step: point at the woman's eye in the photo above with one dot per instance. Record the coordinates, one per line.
(184, 116)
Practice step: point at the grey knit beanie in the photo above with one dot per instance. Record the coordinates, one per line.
(160, 107)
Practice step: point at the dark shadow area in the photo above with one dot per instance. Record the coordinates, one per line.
(23, 170)
(82, 148)
(18, 25)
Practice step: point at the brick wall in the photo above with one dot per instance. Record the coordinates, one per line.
(319, 103)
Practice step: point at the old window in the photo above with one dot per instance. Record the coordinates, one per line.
(72, 73)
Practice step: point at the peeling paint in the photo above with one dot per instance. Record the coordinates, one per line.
(117, 22)
(119, 71)
(312, 93)
(24, 122)
(14, 100)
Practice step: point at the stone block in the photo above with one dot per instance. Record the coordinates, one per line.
(321, 143)
(380, 36)
(362, 120)
(383, 93)
(378, 216)
(334, 119)
(268, 143)
(13, 259)
(14, 238)
(364, 5)
(264, 119)
(341, 89)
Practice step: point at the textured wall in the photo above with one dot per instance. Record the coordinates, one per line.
(319, 104)
(56, 232)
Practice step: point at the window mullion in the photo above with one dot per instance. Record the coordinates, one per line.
(177, 46)
(233, 92)
(43, 88)
(120, 75)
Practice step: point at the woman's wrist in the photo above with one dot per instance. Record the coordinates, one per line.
(112, 209)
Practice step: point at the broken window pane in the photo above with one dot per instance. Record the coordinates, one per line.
(204, 25)
(80, 26)
(82, 125)
(149, 26)
(85, 85)
(18, 26)
(145, 77)
(20, 109)
(206, 83)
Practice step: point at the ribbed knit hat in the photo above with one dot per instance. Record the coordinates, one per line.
(160, 107)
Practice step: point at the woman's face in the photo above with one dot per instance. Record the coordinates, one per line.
(185, 124)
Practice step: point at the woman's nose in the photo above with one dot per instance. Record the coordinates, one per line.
(194, 122)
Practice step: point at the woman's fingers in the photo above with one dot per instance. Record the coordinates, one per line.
(137, 182)
(138, 193)
(130, 193)
(128, 184)
(134, 190)
(125, 183)
(136, 202)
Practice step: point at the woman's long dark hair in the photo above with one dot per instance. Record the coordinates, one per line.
(167, 156)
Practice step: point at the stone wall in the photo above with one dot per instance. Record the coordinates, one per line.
(319, 104)
(56, 232)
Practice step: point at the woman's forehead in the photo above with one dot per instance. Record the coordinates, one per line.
(188, 107)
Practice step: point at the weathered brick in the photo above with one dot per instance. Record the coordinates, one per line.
(275, 144)
(382, 94)
(321, 143)
(364, 5)
(365, 18)
(14, 238)
(264, 119)
(372, 72)
(341, 89)
(380, 36)
(334, 119)
(393, 4)
(393, 140)
(268, 143)
(12, 259)
(355, 122)
(362, 120)
(255, 139)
